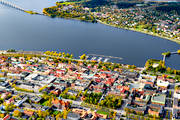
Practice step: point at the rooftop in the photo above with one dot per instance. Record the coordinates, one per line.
(159, 98)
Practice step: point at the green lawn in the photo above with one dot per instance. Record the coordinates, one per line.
(103, 112)
(55, 112)
(44, 103)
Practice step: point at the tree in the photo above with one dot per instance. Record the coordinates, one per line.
(2, 115)
(63, 54)
(68, 55)
(58, 116)
(168, 54)
(65, 113)
(9, 107)
(147, 65)
(71, 56)
(83, 57)
(17, 113)
(153, 29)
(168, 70)
(127, 110)
(11, 50)
(59, 54)
(170, 93)
(178, 51)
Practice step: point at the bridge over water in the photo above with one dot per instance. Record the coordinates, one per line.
(6, 3)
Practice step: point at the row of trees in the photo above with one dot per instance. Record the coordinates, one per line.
(23, 89)
(11, 50)
(42, 88)
(63, 54)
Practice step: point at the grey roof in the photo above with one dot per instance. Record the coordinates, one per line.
(137, 108)
(175, 101)
(73, 116)
(155, 106)
(160, 98)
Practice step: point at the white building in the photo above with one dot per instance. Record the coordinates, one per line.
(161, 83)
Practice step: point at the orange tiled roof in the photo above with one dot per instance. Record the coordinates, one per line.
(30, 113)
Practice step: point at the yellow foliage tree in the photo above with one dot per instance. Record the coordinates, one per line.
(65, 113)
(2, 115)
(58, 116)
(178, 51)
(82, 57)
(17, 113)
(42, 113)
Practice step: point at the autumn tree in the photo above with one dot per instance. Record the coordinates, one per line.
(82, 57)
(17, 113)
(168, 70)
(178, 51)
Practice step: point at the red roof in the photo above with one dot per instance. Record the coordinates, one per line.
(26, 70)
(6, 117)
(98, 80)
(29, 113)
(123, 91)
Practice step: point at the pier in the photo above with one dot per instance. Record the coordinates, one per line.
(101, 57)
(105, 56)
(164, 58)
(171, 53)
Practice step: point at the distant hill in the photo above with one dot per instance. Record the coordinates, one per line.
(163, 0)
(169, 7)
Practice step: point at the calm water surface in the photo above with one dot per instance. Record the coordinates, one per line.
(19, 30)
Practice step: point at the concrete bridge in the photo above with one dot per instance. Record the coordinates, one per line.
(6, 3)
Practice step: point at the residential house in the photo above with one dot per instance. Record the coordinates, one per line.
(60, 104)
(28, 113)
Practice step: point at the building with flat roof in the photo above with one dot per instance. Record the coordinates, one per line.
(158, 99)
(73, 116)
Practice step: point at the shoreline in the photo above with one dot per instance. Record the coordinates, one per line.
(147, 33)
(42, 54)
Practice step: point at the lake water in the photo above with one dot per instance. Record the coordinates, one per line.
(22, 31)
